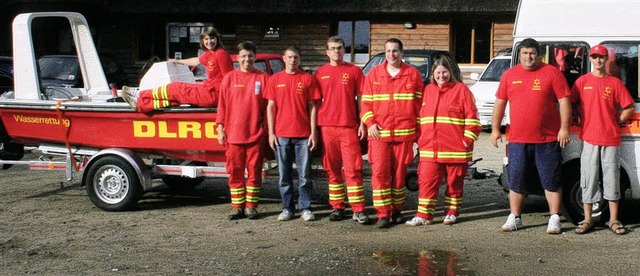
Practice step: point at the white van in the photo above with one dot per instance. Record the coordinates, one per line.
(566, 30)
(484, 90)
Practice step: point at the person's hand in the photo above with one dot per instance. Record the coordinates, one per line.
(222, 137)
(373, 131)
(362, 130)
(496, 136)
(563, 137)
(312, 142)
(273, 141)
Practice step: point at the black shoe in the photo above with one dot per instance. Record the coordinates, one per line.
(336, 215)
(252, 213)
(383, 223)
(236, 213)
(397, 218)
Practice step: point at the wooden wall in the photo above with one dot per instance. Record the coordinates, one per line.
(424, 36)
(502, 37)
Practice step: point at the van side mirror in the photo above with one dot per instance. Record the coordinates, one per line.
(474, 76)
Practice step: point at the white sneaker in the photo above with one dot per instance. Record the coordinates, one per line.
(285, 215)
(417, 221)
(512, 223)
(554, 227)
(307, 215)
(450, 219)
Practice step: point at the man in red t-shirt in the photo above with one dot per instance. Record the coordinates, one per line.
(291, 117)
(537, 131)
(601, 95)
(340, 84)
(240, 121)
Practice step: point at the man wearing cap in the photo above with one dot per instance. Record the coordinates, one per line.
(600, 96)
(537, 132)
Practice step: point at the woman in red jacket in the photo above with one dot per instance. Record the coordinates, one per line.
(449, 126)
(205, 94)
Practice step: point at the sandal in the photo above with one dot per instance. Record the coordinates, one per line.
(584, 227)
(619, 230)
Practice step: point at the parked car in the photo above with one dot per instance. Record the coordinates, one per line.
(420, 59)
(268, 63)
(484, 90)
(64, 71)
(6, 74)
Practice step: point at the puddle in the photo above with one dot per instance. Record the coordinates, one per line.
(424, 263)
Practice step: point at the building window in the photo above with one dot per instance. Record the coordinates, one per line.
(228, 30)
(356, 38)
(472, 41)
(272, 31)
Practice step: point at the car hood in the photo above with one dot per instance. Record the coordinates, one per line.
(485, 90)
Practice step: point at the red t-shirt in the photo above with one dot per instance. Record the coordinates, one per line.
(292, 94)
(600, 98)
(533, 107)
(217, 63)
(241, 106)
(339, 86)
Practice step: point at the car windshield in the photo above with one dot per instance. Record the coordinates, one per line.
(495, 69)
(58, 68)
(419, 62)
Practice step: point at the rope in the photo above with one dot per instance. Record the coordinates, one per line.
(66, 135)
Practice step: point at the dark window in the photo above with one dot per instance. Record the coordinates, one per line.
(472, 41)
(356, 38)
(624, 63)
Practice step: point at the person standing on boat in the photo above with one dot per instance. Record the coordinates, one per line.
(291, 117)
(240, 123)
(205, 94)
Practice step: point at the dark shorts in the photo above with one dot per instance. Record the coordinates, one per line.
(546, 158)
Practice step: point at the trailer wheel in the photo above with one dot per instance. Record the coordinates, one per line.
(112, 184)
(411, 182)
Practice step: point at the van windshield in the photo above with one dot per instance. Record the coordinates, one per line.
(623, 63)
(495, 69)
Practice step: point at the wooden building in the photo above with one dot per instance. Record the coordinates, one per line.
(135, 31)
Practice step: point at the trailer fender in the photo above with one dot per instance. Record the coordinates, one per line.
(142, 170)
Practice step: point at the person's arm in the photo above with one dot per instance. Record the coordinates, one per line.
(271, 119)
(498, 112)
(626, 113)
(366, 106)
(472, 126)
(565, 121)
(194, 61)
(313, 118)
(222, 137)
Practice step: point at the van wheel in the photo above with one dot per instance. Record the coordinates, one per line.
(572, 199)
(112, 184)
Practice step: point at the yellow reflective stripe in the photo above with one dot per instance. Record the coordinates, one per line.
(382, 202)
(397, 191)
(336, 197)
(425, 120)
(367, 115)
(403, 96)
(427, 153)
(398, 200)
(453, 200)
(381, 192)
(418, 94)
(253, 199)
(336, 187)
(237, 200)
(381, 97)
(426, 210)
(367, 98)
(355, 199)
(472, 122)
(251, 189)
(384, 133)
(355, 189)
(427, 201)
(404, 132)
(463, 154)
(449, 120)
(236, 191)
(469, 134)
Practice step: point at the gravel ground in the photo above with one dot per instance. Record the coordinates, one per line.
(48, 226)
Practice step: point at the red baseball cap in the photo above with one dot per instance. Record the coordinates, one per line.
(599, 50)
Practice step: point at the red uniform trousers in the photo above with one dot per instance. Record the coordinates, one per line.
(239, 157)
(342, 156)
(177, 93)
(430, 176)
(389, 162)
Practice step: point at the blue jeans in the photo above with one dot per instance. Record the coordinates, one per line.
(287, 149)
